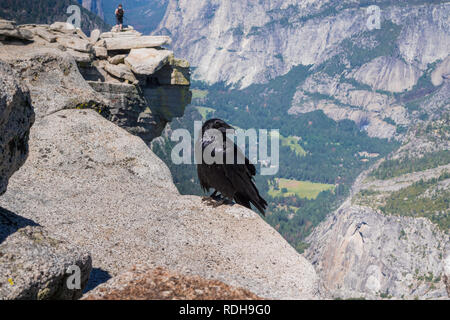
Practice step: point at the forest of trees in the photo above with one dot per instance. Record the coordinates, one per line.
(397, 167)
(413, 201)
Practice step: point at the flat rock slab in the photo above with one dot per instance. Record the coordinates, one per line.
(22, 34)
(128, 43)
(75, 43)
(131, 33)
(80, 57)
(124, 29)
(44, 34)
(147, 61)
(91, 182)
(7, 24)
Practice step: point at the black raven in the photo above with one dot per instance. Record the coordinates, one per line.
(233, 179)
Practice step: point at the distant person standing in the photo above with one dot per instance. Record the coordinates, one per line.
(119, 17)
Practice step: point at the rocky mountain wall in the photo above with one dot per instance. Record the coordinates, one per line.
(364, 250)
(372, 76)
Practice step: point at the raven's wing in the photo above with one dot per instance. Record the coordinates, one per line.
(213, 175)
(240, 174)
(243, 159)
(244, 187)
(202, 170)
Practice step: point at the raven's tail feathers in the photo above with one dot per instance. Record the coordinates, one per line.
(259, 203)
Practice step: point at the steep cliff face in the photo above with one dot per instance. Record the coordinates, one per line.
(359, 252)
(390, 239)
(95, 6)
(243, 43)
(250, 42)
(343, 100)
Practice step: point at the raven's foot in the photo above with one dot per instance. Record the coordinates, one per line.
(219, 203)
(206, 198)
(209, 200)
(212, 197)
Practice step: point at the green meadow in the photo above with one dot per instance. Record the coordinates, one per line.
(199, 94)
(302, 189)
(293, 144)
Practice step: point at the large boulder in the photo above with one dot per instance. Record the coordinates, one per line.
(10, 30)
(53, 79)
(35, 265)
(135, 42)
(116, 199)
(45, 34)
(176, 72)
(148, 60)
(7, 24)
(16, 118)
(63, 27)
(129, 109)
(116, 59)
(121, 71)
(100, 52)
(75, 43)
(81, 58)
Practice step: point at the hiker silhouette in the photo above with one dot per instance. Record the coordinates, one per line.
(119, 17)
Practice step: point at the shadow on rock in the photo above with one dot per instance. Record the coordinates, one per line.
(96, 278)
(11, 222)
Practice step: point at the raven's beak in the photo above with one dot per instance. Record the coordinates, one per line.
(226, 127)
